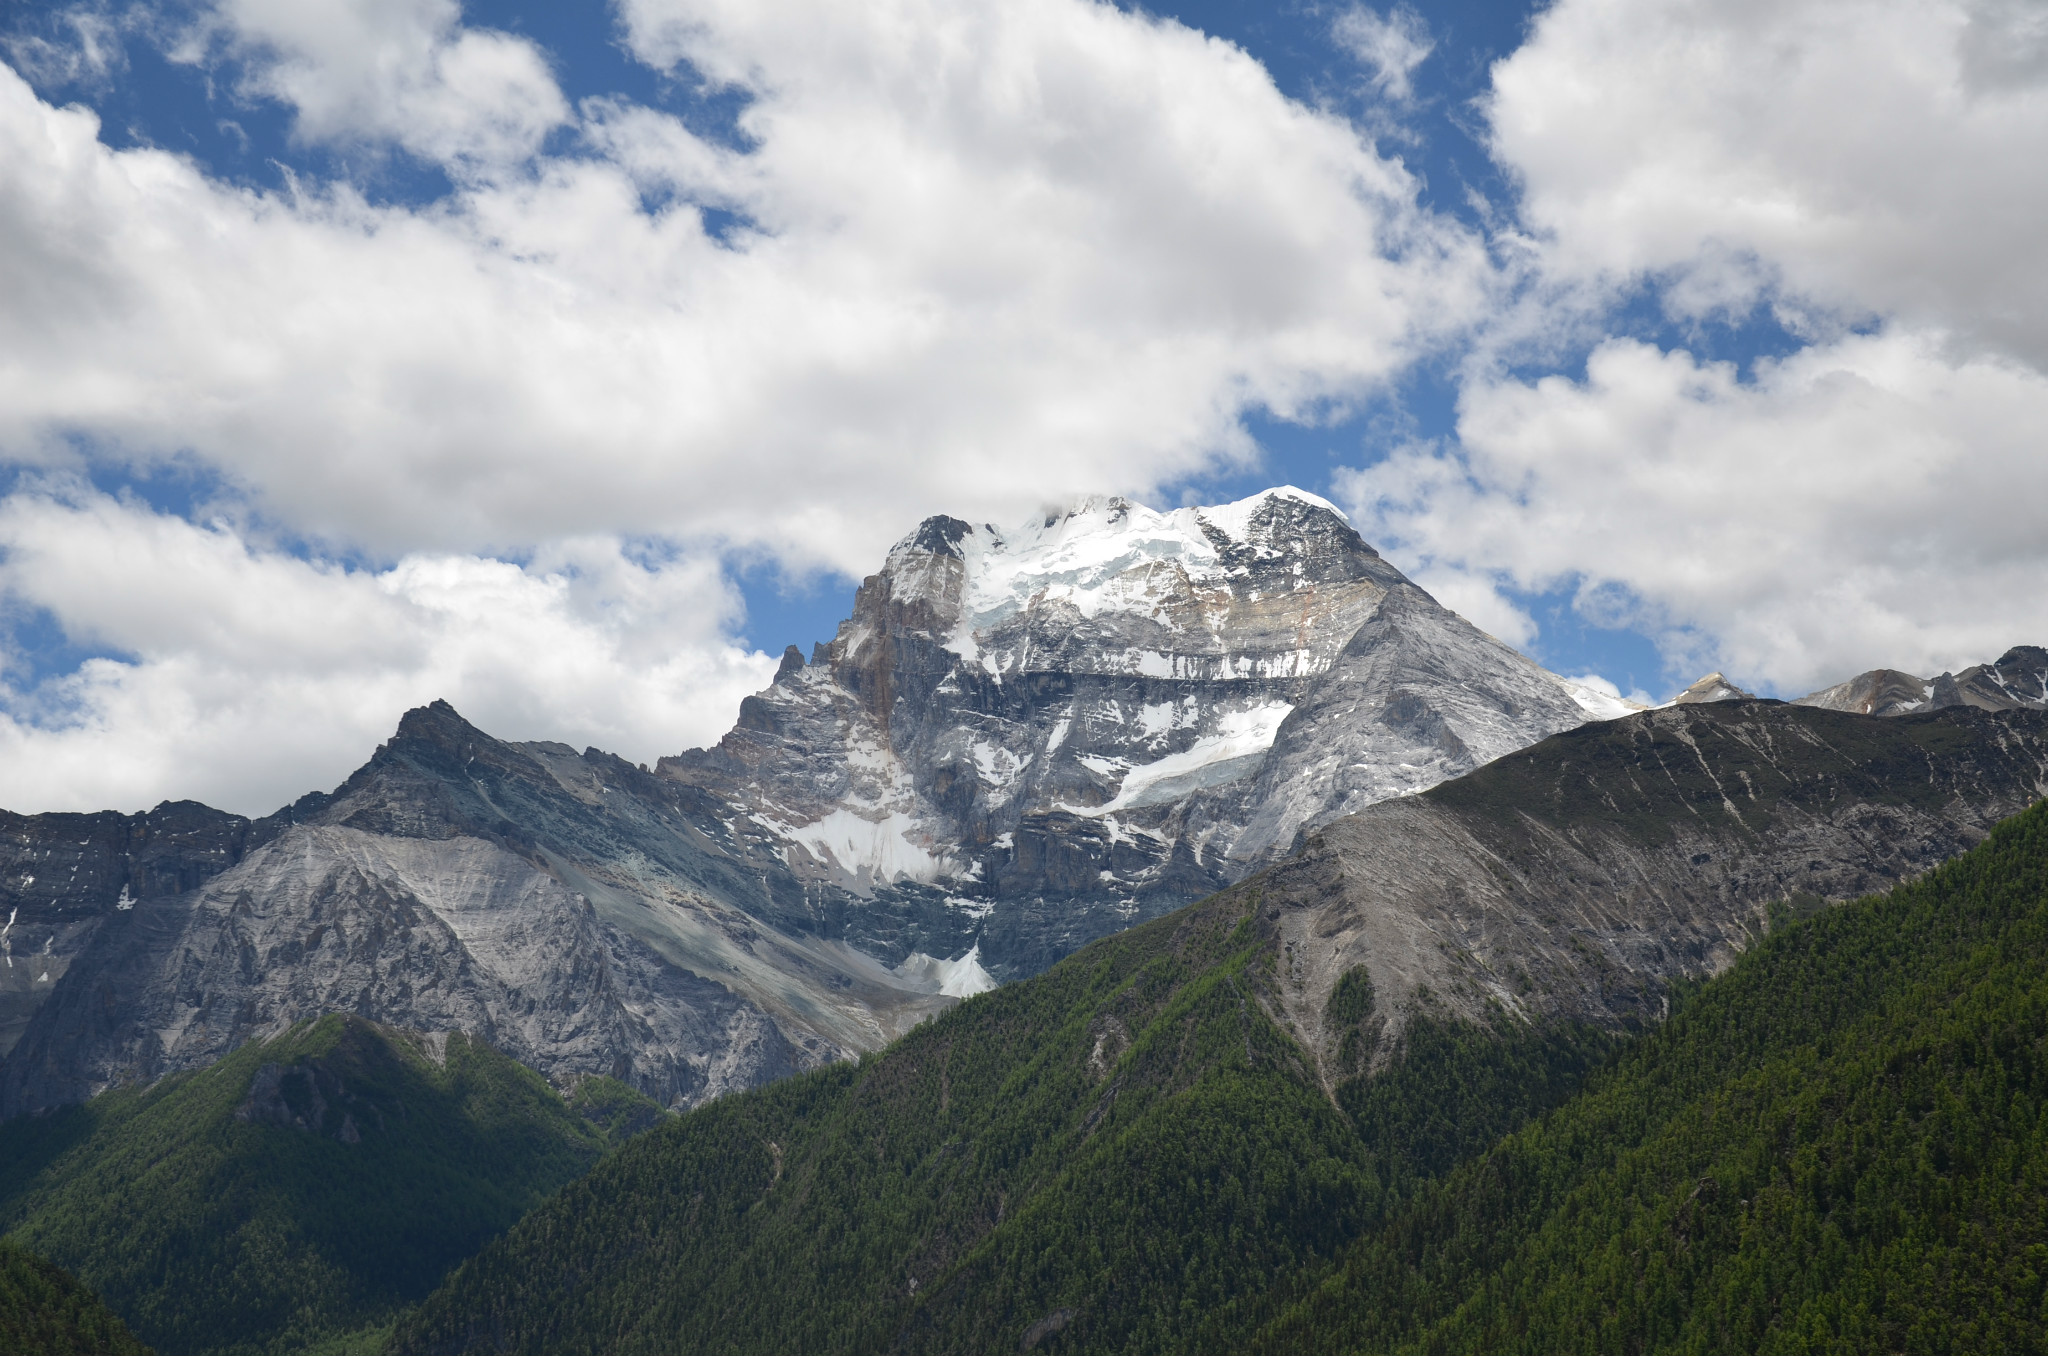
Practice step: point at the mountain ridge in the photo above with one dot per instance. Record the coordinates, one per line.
(1070, 720)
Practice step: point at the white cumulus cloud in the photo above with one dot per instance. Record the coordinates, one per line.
(245, 676)
(994, 248)
(1869, 502)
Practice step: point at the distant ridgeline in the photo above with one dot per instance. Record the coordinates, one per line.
(1841, 1144)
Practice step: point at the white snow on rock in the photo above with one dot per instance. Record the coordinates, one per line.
(1601, 699)
(1233, 750)
(879, 848)
(1086, 556)
(961, 977)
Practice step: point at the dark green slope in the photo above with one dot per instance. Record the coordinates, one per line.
(46, 1312)
(1839, 1146)
(1117, 1155)
(1835, 1146)
(302, 1188)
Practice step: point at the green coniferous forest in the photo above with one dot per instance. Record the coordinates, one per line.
(1838, 1146)
(302, 1189)
(1120, 1154)
(47, 1312)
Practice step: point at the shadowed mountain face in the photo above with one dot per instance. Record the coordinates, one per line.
(1579, 879)
(305, 1187)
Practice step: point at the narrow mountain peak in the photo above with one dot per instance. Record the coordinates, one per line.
(437, 723)
(1715, 687)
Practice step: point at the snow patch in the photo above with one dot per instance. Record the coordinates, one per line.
(961, 977)
(1235, 520)
(1104, 554)
(881, 848)
(1234, 750)
(1598, 698)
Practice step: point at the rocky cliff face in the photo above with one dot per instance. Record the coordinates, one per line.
(575, 911)
(1025, 738)
(61, 875)
(1578, 879)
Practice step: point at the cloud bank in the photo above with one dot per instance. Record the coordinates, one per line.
(1856, 172)
(504, 446)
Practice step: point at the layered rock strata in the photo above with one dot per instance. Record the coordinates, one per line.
(573, 910)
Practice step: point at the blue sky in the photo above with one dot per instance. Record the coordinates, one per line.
(620, 341)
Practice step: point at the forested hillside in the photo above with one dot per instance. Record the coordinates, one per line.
(1839, 1146)
(302, 1189)
(45, 1312)
(1117, 1155)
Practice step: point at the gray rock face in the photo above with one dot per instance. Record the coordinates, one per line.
(1027, 738)
(1578, 879)
(61, 875)
(2017, 682)
(576, 912)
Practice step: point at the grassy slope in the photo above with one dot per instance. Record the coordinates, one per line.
(1840, 1146)
(210, 1232)
(46, 1311)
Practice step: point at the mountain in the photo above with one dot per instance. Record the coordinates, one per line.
(575, 911)
(1835, 1147)
(61, 875)
(45, 1311)
(1025, 738)
(1715, 687)
(1022, 740)
(1582, 877)
(1122, 1153)
(304, 1187)
(2018, 681)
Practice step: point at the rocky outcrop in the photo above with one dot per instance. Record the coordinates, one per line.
(62, 875)
(1715, 687)
(1580, 878)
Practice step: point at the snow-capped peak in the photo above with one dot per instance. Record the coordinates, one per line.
(1087, 552)
(1234, 520)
